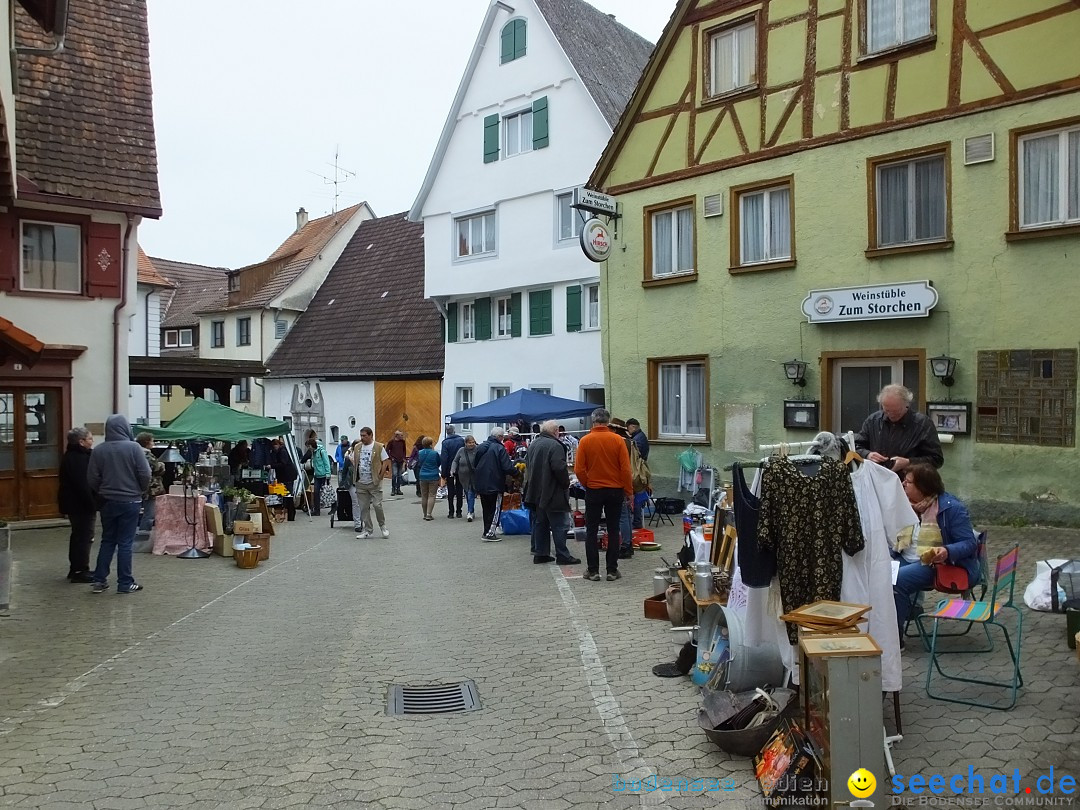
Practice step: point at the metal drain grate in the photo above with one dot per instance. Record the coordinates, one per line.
(437, 699)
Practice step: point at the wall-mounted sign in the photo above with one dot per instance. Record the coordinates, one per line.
(596, 240)
(799, 413)
(594, 201)
(906, 299)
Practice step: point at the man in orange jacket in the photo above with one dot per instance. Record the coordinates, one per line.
(603, 468)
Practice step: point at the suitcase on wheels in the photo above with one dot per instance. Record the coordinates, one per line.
(343, 510)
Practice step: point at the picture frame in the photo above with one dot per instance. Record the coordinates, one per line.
(802, 414)
(950, 417)
(829, 612)
(849, 645)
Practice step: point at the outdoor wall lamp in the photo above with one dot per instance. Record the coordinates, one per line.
(943, 367)
(795, 370)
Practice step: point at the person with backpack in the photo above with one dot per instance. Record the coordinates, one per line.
(603, 468)
(493, 464)
(639, 469)
(451, 444)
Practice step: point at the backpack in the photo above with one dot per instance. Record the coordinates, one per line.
(640, 476)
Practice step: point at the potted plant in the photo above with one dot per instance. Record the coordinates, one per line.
(238, 494)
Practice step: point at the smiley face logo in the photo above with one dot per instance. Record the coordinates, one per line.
(861, 783)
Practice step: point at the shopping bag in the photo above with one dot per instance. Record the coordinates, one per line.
(515, 521)
(328, 497)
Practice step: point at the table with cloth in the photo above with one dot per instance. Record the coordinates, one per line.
(172, 530)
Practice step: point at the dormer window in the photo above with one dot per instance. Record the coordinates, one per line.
(234, 282)
(733, 58)
(513, 40)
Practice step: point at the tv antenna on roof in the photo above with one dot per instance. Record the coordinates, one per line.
(341, 176)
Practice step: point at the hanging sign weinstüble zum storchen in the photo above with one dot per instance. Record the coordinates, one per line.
(906, 299)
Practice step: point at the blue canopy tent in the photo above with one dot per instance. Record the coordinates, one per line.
(523, 404)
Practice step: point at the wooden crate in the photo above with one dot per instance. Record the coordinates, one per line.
(261, 540)
(656, 607)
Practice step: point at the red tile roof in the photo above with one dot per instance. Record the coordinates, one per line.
(148, 274)
(197, 287)
(84, 123)
(23, 345)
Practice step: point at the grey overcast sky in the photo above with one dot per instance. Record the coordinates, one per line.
(252, 97)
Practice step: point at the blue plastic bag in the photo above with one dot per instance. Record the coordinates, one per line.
(516, 521)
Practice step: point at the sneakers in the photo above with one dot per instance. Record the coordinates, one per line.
(99, 587)
(134, 586)
(592, 576)
(385, 533)
(363, 535)
(469, 518)
(458, 514)
(491, 538)
(612, 576)
(451, 516)
(82, 577)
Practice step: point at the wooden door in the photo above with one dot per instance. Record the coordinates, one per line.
(411, 406)
(31, 442)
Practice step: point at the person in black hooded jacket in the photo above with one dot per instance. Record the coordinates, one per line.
(77, 502)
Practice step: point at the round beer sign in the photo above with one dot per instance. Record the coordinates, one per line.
(596, 240)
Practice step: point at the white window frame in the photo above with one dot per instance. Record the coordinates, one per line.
(767, 224)
(683, 434)
(188, 341)
(673, 213)
(910, 238)
(522, 120)
(541, 389)
(172, 339)
(467, 331)
(214, 342)
(463, 402)
(590, 316)
(78, 257)
(504, 318)
(573, 214)
(243, 390)
(1063, 217)
(898, 26)
(739, 82)
(488, 221)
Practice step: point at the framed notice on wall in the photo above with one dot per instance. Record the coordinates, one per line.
(950, 417)
(800, 413)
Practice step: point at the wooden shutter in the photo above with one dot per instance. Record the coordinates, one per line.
(573, 308)
(519, 38)
(9, 252)
(540, 123)
(540, 312)
(515, 315)
(508, 42)
(103, 262)
(482, 310)
(451, 323)
(491, 138)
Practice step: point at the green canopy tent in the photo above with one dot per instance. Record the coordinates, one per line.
(209, 420)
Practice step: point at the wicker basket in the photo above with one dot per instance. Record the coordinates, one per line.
(246, 557)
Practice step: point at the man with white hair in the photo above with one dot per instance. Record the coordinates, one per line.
(546, 494)
(493, 464)
(896, 436)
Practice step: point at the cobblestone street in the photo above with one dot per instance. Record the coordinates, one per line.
(223, 688)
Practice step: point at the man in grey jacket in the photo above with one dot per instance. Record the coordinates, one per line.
(118, 475)
(546, 494)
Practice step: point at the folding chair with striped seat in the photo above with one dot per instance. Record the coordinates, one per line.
(984, 613)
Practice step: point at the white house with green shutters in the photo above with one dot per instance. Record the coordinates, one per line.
(545, 84)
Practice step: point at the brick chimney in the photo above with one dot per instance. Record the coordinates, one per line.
(301, 219)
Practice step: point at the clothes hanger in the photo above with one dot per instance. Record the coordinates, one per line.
(852, 456)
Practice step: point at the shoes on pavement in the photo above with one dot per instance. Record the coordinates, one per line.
(543, 558)
(668, 671)
(469, 518)
(99, 587)
(592, 576)
(134, 586)
(568, 561)
(363, 535)
(385, 532)
(81, 577)
(626, 553)
(458, 514)
(451, 516)
(491, 538)
(613, 575)
(428, 517)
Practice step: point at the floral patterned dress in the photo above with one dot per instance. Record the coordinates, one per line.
(807, 520)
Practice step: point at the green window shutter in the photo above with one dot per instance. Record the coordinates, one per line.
(491, 138)
(508, 43)
(451, 323)
(482, 308)
(519, 38)
(540, 123)
(515, 315)
(540, 312)
(573, 308)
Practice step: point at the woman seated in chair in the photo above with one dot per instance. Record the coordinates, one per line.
(944, 534)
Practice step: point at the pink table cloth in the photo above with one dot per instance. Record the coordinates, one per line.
(172, 530)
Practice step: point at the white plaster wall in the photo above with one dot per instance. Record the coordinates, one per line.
(144, 338)
(350, 404)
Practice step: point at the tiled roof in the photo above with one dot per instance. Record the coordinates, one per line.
(148, 274)
(303, 247)
(197, 288)
(84, 124)
(369, 318)
(607, 55)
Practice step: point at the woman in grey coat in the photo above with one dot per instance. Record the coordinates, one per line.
(464, 467)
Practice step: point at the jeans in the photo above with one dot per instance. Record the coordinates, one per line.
(398, 469)
(356, 522)
(639, 513)
(427, 496)
(490, 505)
(470, 499)
(146, 522)
(546, 527)
(626, 536)
(119, 520)
(607, 501)
(370, 495)
(454, 491)
(912, 578)
(316, 503)
(82, 535)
